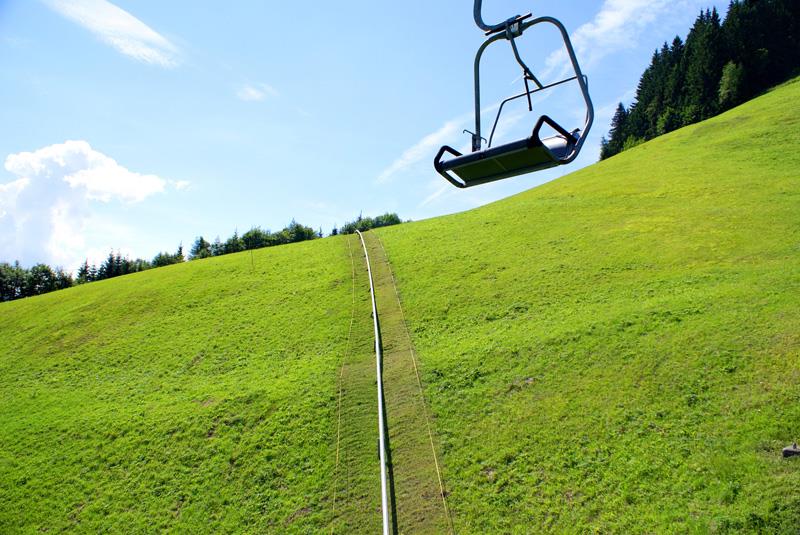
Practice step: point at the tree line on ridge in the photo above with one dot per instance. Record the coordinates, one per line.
(17, 282)
(720, 65)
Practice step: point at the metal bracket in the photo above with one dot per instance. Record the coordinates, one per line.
(476, 139)
(489, 29)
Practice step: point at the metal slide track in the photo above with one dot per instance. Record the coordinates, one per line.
(379, 369)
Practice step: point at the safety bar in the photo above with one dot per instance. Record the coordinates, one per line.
(555, 126)
(523, 94)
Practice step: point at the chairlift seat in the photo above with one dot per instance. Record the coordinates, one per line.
(511, 159)
(526, 155)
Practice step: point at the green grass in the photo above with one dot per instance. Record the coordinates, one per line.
(619, 350)
(194, 398)
(615, 351)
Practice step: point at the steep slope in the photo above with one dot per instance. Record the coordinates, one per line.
(616, 351)
(619, 350)
(198, 398)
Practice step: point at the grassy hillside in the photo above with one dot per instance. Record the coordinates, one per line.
(194, 398)
(619, 350)
(616, 351)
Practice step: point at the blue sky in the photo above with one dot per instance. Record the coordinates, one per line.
(137, 125)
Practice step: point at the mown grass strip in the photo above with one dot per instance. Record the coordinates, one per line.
(428, 426)
(358, 488)
(419, 505)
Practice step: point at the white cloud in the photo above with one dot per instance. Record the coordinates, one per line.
(119, 29)
(255, 92)
(619, 25)
(180, 185)
(44, 212)
(80, 166)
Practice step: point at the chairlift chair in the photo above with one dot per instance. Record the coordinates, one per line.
(534, 153)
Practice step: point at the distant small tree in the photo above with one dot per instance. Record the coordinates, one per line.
(387, 220)
(63, 279)
(668, 121)
(617, 134)
(120, 265)
(41, 279)
(166, 259)
(217, 248)
(83, 273)
(631, 142)
(233, 244)
(731, 87)
(255, 238)
(108, 268)
(200, 249)
(8, 291)
(364, 224)
(298, 232)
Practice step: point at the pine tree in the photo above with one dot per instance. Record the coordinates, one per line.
(200, 249)
(83, 272)
(63, 279)
(233, 244)
(217, 248)
(618, 133)
(720, 65)
(703, 64)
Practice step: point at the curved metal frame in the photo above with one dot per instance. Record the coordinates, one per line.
(579, 77)
(477, 13)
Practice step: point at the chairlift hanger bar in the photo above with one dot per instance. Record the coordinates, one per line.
(489, 29)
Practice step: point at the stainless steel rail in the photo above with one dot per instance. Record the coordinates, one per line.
(379, 368)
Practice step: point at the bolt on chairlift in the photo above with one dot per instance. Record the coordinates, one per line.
(527, 155)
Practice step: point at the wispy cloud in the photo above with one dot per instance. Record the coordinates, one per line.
(255, 92)
(180, 185)
(119, 29)
(450, 133)
(423, 148)
(441, 188)
(619, 25)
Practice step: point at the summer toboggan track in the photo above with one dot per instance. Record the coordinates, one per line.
(415, 493)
